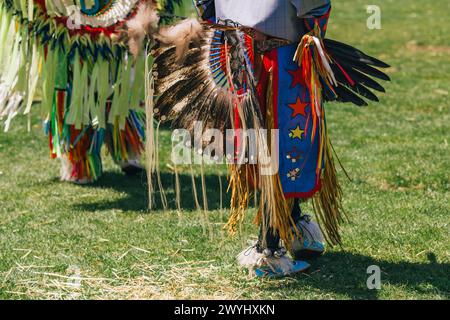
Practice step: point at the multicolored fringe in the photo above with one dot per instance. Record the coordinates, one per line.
(129, 143)
(280, 214)
(20, 61)
(274, 210)
(327, 202)
(80, 149)
(90, 91)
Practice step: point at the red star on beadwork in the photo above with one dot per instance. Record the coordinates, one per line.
(297, 78)
(298, 108)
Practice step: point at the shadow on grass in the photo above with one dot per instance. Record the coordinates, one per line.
(342, 273)
(345, 273)
(136, 199)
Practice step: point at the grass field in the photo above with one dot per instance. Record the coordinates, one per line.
(397, 153)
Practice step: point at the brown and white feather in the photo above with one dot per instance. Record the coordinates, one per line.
(143, 24)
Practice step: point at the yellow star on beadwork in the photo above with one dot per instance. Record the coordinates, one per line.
(296, 133)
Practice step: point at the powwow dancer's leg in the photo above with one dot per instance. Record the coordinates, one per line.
(309, 241)
(288, 95)
(82, 163)
(126, 145)
(268, 257)
(78, 148)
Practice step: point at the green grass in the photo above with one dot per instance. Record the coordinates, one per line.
(397, 153)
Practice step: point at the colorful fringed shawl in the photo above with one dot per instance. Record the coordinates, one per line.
(70, 56)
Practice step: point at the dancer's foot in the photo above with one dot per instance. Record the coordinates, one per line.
(132, 167)
(311, 243)
(270, 263)
(269, 271)
(68, 174)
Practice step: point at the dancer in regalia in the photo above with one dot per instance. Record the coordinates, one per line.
(69, 55)
(267, 65)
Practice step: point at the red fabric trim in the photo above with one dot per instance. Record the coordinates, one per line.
(262, 88)
(94, 32)
(304, 195)
(274, 59)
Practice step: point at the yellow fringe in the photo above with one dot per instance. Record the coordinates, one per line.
(274, 210)
(240, 197)
(327, 202)
(273, 204)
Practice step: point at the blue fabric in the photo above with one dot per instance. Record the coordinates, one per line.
(298, 155)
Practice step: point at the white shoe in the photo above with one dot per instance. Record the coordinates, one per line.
(311, 244)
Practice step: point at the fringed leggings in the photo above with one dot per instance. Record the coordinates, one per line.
(80, 149)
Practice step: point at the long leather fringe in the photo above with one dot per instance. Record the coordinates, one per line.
(240, 197)
(274, 212)
(327, 202)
